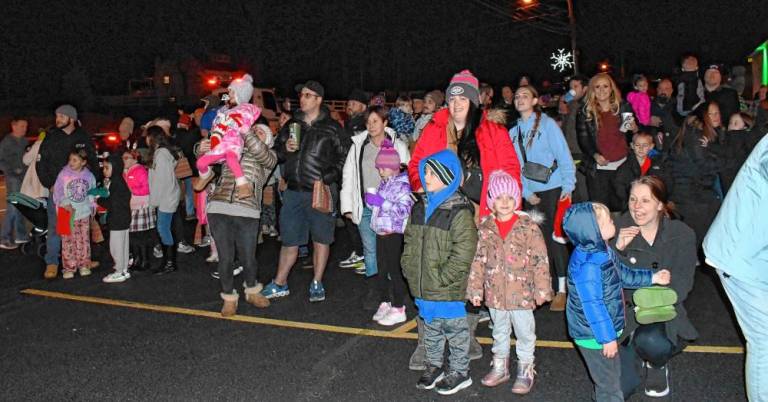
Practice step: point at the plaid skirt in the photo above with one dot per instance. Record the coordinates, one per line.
(143, 219)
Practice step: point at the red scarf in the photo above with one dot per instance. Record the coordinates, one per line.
(645, 166)
(505, 227)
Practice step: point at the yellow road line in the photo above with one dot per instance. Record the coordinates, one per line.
(405, 328)
(398, 333)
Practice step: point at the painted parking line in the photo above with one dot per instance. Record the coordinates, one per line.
(398, 333)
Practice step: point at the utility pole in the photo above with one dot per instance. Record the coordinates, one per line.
(572, 26)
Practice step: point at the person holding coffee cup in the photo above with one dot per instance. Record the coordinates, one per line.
(605, 126)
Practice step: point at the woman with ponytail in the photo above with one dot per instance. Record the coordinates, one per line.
(538, 140)
(650, 237)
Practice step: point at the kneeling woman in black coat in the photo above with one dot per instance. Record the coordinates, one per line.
(649, 238)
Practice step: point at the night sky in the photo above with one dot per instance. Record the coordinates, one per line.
(346, 44)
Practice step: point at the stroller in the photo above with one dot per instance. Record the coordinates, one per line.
(35, 211)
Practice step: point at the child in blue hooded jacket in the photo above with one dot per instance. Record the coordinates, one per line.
(440, 244)
(595, 308)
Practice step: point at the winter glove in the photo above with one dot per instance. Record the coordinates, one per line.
(374, 200)
(99, 192)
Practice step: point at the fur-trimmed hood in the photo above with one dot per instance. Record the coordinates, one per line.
(498, 116)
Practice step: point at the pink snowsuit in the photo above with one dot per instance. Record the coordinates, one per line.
(230, 124)
(641, 104)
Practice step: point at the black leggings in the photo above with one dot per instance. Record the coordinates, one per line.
(602, 188)
(557, 253)
(235, 235)
(388, 250)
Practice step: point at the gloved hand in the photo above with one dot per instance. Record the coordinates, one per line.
(99, 192)
(374, 200)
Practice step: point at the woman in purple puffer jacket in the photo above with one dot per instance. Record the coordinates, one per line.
(391, 205)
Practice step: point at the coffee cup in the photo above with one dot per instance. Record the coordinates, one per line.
(294, 131)
(626, 121)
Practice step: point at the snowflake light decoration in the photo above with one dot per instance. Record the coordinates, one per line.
(561, 60)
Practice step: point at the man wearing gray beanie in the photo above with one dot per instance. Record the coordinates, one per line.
(54, 155)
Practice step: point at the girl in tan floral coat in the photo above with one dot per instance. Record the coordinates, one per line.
(511, 272)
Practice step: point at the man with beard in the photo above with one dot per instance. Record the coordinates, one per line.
(54, 154)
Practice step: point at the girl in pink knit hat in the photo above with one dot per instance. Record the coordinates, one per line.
(511, 273)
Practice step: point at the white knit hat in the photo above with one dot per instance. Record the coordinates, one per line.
(243, 89)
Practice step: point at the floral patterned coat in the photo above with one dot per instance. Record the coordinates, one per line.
(513, 272)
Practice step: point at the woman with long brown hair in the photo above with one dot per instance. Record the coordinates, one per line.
(604, 127)
(538, 139)
(694, 167)
(650, 237)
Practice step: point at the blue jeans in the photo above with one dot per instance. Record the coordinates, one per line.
(13, 224)
(164, 221)
(189, 197)
(748, 301)
(52, 241)
(368, 237)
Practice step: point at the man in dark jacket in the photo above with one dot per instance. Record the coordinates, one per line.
(357, 105)
(664, 117)
(54, 154)
(726, 98)
(310, 146)
(12, 149)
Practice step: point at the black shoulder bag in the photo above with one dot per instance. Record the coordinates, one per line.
(532, 170)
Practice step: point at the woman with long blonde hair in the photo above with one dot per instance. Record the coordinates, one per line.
(604, 126)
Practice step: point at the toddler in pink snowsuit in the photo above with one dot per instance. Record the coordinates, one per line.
(229, 127)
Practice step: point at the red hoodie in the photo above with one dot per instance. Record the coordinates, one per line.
(496, 149)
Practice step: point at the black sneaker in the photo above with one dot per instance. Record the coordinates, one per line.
(656, 381)
(453, 383)
(430, 377)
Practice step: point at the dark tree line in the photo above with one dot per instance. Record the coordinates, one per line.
(393, 44)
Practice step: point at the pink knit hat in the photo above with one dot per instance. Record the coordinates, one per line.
(464, 83)
(387, 157)
(500, 182)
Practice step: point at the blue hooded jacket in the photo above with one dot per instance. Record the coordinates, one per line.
(451, 161)
(596, 277)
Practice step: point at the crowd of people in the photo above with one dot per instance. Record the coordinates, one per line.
(477, 210)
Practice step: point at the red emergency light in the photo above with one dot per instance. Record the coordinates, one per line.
(113, 138)
(212, 81)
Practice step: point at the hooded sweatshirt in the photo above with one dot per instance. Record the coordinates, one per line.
(71, 188)
(118, 204)
(596, 277)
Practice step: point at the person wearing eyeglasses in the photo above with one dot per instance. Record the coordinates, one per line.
(646, 162)
(312, 150)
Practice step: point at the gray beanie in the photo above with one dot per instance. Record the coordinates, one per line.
(67, 110)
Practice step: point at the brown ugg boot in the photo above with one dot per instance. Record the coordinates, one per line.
(230, 304)
(51, 271)
(253, 295)
(199, 183)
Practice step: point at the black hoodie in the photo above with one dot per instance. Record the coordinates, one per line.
(118, 204)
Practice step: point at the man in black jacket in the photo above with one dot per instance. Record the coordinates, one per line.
(726, 98)
(310, 146)
(54, 154)
(357, 105)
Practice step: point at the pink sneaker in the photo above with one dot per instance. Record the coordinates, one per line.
(382, 311)
(395, 315)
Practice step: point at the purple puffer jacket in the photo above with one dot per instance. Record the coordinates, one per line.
(392, 215)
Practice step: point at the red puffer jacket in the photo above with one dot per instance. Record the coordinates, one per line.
(496, 149)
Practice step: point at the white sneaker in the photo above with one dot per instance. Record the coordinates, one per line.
(382, 311)
(352, 261)
(157, 251)
(237, 271)
(116, 277)
(205, 241)
(184, 248)
(395, 315)
(272, 231)
(84, 271)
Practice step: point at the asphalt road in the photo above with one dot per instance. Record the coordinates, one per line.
(161, 338)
